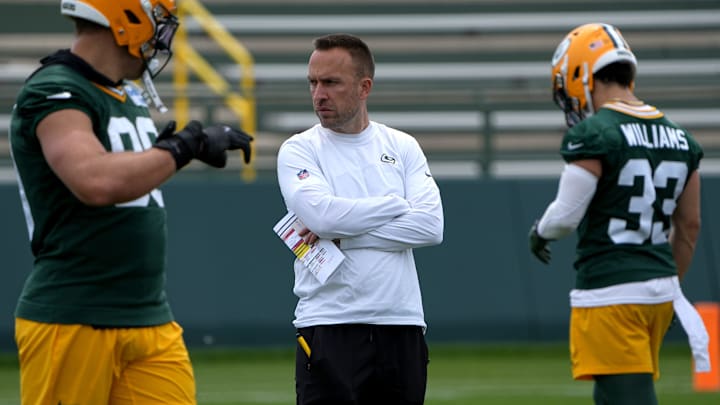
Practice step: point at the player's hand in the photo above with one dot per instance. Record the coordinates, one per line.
(221, 138)
(168, 131)
(209, 145)
(539, 245)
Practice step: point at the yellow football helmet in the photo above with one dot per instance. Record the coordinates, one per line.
(582, 53)
(146, 27)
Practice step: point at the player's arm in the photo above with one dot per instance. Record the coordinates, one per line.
(95, 176)
(686, 224)
(577, 186)
(576, 189)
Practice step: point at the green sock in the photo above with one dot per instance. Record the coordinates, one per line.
(624, 389)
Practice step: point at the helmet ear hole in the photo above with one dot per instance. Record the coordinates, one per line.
(132, 18)
(576, 73)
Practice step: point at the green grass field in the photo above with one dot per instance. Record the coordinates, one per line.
(535, 374)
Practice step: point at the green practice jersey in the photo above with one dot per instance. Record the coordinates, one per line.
(646, 162)
(93, 265)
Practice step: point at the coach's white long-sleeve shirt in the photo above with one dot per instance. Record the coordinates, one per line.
(374, 192)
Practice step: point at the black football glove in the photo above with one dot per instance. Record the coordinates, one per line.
(209, 145)
(168, 131)
(539, 245)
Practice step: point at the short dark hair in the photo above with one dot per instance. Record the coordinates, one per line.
(359, 51)
(82, 25)
(622, 73)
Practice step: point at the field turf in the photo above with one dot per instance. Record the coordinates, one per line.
(484, 374)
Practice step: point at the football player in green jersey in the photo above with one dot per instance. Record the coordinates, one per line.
(631, 189)
(93, 324)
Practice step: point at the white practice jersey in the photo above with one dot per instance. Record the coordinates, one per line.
(374, 192)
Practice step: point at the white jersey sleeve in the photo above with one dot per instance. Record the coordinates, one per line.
(423, 224)
(575, 191)
(307, 192)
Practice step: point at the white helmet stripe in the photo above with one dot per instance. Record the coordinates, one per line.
(617, 39)
(73, 8)
(589, 108)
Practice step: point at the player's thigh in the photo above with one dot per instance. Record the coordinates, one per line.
(69, 364)
(617, 339)
(157, 368)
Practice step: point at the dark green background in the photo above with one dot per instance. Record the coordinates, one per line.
(230, 277)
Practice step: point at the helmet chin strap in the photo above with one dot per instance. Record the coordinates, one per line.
(152, 92)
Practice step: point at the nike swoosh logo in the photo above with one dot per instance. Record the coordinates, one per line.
(59, 96)
(573, 146)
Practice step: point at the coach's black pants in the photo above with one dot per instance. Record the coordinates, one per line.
(362, 365)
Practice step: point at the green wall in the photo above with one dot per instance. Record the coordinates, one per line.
(230, 278)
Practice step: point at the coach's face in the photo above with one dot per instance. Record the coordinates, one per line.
(339, 96)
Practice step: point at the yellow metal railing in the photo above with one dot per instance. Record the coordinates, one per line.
(241, 102)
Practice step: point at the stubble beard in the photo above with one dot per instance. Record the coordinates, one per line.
(339, 122)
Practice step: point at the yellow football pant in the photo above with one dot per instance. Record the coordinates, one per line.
(618, 339)
(78, 364)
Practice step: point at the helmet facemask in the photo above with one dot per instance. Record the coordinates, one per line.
(570, 106)
(157, 52)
